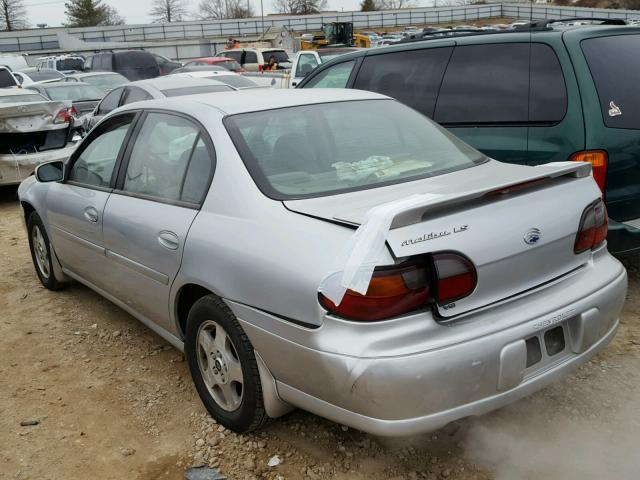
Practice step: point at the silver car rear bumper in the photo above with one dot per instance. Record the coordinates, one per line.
(412, 375)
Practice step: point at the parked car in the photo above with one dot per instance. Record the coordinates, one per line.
(32, 75)
(7, 79)
(254, 59)
(105, 81)
(228, 78)
(529, 97)
(162, 87)
(132, 64)
(224, 224)
(13, 62)
(224, 62)
(165, 64)
(62, 63)
(306, 60)
(33, 130)
(84, 99)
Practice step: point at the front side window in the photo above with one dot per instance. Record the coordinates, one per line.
(411, 77)
(485, 84)
(616, 74)
(94, 166)
(306, 64)
(322, 149)
(161, 156)
(335, 76)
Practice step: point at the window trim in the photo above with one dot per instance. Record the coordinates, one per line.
(89, 140)
(123, 165)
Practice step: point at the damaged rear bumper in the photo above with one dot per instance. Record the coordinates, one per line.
(15, 168)
(412, 374)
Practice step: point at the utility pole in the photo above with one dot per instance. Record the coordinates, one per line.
(262, 15)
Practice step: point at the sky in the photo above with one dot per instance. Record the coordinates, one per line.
(51, 12)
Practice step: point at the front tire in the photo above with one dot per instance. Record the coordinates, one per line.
(223, 366)
(41, 252)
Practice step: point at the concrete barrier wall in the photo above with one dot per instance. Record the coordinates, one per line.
(47, 39)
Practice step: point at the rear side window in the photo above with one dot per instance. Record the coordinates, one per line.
(250, 57)
(412, 77)
(615, 69)
(135, 94)
(167, 154)
(6, 79)
(335, 76)
(110, 102)
(548, 98)
(485, 84)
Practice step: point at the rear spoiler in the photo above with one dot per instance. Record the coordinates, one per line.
(40, 115)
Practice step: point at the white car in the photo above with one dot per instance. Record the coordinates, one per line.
(33, 76)
(229, 78)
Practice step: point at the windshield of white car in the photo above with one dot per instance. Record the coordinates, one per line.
(74, 92)
(107, 81)
(22, 98)
(178, 92)
(41, 75)
(323, 149)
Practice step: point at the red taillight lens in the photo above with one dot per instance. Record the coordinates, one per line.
(593, 227)
(456, 277)
(391, 292)
(65, 115)
(599, 162)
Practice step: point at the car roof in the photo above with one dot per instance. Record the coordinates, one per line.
(256, 99)
(170, 81)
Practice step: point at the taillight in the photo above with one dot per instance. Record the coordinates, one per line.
(401, 289)
(392, 292)
(599, 162)
(65, 115)
(593, 227)
(456, 277)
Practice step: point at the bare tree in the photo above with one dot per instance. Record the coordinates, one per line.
(112, 17)
(299, 7)
(218, 9)
(168, 10)
(396, 4)
(13, 15)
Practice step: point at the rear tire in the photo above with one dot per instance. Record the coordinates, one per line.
(223, 366)
(41, 252)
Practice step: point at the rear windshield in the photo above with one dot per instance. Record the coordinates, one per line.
(40, 75)
(316, 150)
(135, 60)
(75, 93)
(237, 81)
(70, 64)
(106, 82)
(6, 79)
(178, 92)
(22, 98)
(615, 69)
(280, 56)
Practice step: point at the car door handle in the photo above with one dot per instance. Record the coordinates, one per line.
(91, 214)
(169, 240)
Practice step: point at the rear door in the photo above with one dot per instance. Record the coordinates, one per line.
(609, 74)
(159, 192)
(75, 207)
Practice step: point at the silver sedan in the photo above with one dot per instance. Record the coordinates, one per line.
(387, 277)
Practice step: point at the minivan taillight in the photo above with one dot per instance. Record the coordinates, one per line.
(393, 291)
(593, 227)
(599, 162)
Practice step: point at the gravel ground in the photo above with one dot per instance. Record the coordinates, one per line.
(102, 397)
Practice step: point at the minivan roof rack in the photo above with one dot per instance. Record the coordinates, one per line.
(548, 22)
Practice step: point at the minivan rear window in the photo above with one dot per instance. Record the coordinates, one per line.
(615, 69)
(323, 149)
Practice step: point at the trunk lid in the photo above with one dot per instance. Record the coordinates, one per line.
(31, 117)
(516, 240)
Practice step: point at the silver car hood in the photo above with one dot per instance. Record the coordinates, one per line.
(31, 116)
(490, 229)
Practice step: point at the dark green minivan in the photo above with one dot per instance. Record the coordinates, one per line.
(531, 96)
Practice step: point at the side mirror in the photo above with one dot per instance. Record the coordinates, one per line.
(50, 172)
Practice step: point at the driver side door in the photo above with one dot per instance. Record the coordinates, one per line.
(75, 207)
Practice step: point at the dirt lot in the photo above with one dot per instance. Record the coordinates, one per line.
(114, 401)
